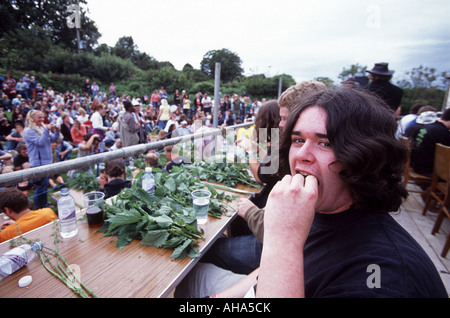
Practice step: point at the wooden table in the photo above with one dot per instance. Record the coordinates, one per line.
(133, 272)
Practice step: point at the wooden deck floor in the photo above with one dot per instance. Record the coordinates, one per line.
(419, 226)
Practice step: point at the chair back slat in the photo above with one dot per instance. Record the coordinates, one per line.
(441, 161)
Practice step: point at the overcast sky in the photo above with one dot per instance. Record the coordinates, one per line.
(304, 39)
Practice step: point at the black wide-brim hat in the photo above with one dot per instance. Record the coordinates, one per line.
(381, 69)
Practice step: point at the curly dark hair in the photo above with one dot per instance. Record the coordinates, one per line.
(361, 130)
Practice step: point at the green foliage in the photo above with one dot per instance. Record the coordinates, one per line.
(84, 182)
(262, 86)
(110, 68)
(230, 64)
(166, 220)
(428, 96)
(353, 70)
(230, 174)
(204, 87)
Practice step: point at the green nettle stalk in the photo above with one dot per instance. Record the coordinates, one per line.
(61, 269)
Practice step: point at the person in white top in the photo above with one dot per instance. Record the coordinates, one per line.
(97, 124)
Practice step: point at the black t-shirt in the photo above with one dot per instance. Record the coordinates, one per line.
(19, 160)
(352, 253)
(177, 162)
(425, 138)
(114, 187)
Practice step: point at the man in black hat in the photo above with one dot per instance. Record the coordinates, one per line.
(380, 76)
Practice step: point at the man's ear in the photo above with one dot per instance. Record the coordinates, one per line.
(8, 211)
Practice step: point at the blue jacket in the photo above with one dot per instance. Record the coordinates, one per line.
(39, 146)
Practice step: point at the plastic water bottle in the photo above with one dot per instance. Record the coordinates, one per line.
(17, 258)
(148, 181)
(67, 215)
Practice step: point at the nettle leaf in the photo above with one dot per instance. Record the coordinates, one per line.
(166, 219)
(182, 250)
(163, 221)
(155, 238)
(123, 218)
(170, 185)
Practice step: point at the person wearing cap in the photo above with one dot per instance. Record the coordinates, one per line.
(380, 85)
(434, 130)
(181, 130)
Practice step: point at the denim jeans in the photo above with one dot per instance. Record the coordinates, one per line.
(239, 254)
(40, 194)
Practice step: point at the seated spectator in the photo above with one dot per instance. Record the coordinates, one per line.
(5, 127)
(5, 158)
(21, 159)
(108, 143)
(174, 158)
(78, 131)
(5, 103)
(152, 160)
(424, 142)
(16, 206)
(116, 173)
(63, 149)
(88, 147)
(117, 144)
(181, 130)
(66, 128)
(16, 136)
(82, 117)
(102, 179)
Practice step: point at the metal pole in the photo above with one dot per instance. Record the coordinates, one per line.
(72, 164)
(78, 40)
(446, 103)
(280, 85)
(216, 94)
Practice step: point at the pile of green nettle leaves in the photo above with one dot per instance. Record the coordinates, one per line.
(230, 174)
(165, 220)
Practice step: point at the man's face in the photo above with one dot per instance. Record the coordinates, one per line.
(311, 153)
(24, 152)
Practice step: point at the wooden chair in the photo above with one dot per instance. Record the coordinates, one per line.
(411, 177)
(440, 190)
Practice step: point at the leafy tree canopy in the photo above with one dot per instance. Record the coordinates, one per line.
(230, 64)
(50, 16)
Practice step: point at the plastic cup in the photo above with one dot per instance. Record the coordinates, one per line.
(200, 201)
(93, 202)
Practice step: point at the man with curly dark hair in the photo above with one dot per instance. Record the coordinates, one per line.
(327, 227)
(342, 173)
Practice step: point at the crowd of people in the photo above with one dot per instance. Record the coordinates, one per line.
(92, 121)
(328, 182)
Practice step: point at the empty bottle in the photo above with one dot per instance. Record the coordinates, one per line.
(17, 258)
(148, 181)
(67, 215)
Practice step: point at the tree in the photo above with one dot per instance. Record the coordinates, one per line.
(50, 16)
(427, 77)
(230, 64)
(326, 80)
(354, 70)
(125, 47)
